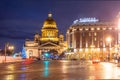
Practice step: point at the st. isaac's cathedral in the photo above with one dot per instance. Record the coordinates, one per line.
(48, 40)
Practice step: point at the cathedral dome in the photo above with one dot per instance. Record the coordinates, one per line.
(49, 23)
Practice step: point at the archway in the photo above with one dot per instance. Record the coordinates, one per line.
(30, 53)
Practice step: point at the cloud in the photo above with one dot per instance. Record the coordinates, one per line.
(19, 22)
(18, 29)
(16, 35)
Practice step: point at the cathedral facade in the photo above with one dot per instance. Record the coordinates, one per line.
(48, 40)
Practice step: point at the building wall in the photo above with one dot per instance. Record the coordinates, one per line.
(92, 38)
(31, 49)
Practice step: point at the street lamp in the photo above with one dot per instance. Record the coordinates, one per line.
(108, 39)
(7, 46)
(11, 48)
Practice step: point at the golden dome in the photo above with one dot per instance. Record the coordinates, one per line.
(49, 23)
(49, 30)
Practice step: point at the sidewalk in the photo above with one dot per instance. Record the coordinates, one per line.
(10, 59)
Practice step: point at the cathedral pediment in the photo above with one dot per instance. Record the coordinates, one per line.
(49, 44)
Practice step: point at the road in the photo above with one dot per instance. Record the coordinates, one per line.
(59, 70)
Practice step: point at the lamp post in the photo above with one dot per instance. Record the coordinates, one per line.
(7, 46)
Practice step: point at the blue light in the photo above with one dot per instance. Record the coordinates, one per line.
(46, 68)
(23, 53)
(51, 56)
(47, 55)
(56, 57)
(23, 68)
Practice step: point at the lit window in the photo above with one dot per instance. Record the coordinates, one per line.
(75, 50)
(92, 28)
(115, 28)
(86, 49)
(104, 49)
(86, 29)
(95, 34)
(81, 29)
(98, 49)
(110, 28)
(98, 28)
(104, 28)
(80, 49)
(95, 39)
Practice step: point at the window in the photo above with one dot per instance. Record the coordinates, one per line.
(95, 39)
(89, 34)
(92, 28)
(98, 28)
(95, 34)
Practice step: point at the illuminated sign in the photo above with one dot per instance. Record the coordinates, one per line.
(85, 20)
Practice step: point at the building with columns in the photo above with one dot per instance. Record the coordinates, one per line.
(90, 38)
(48, 40)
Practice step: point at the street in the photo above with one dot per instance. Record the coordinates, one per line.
(59, 70)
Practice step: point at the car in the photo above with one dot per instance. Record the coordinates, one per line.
(95, 60)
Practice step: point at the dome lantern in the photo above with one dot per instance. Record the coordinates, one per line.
(50, 15)
(49, 23)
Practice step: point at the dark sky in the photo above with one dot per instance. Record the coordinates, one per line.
(21, 19)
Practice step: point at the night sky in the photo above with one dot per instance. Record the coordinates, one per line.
(21, 19)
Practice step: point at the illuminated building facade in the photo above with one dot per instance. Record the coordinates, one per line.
(48, 40)
(89, 38)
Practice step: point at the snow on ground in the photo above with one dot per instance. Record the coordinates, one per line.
(9, 59)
